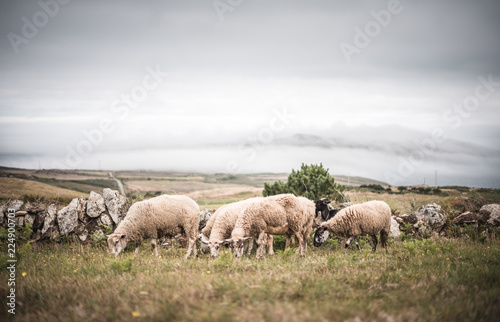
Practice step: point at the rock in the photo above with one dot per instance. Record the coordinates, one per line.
(105, 219)
(81, 208)
(2, 216)
(395, 231)
(19, 221)
(116, 204)
(466, 218)
(82, 232)
(398, 220)
(38, 222)
(430, 217)
(49, 218)
(15, 204)
(33, 208)
(409, 219)
(95, 205)
(491, 214)
(29, 219)
(67, 218)
(205, 215)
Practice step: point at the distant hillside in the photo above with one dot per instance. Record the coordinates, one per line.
(357, 181)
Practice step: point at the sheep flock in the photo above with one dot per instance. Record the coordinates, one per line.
(238, 225)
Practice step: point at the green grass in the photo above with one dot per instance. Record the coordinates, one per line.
(423, 280)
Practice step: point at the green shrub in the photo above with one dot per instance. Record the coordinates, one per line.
(311, 181)
(25, 232)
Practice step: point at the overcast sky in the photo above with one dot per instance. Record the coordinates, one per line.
(368, 88)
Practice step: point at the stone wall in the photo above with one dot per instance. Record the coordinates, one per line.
(81, 218)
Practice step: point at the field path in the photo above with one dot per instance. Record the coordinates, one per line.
(120, 185)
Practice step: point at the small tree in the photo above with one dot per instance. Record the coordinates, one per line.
(402, 189)
(311, 181)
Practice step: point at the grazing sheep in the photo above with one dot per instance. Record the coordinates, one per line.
(275, 215)
(205, 216)
(204, 235)
(223, 225)
(154, 218)
(369, 218)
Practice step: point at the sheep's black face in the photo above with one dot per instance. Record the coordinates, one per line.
(320, 236)
(323, 209)
(322, 205)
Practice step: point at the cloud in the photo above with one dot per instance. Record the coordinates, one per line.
(226, 77)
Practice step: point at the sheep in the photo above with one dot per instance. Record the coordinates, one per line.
(275, 215)
(369, 218)
(166, 215)
(325, 210)
(222, 226)
(204, 235)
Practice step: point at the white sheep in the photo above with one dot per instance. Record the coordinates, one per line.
(157, 217)
(204, 235)
(283, 214)
(369, 218)
(223, 225)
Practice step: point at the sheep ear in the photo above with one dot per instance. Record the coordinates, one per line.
(204, 242)
(226, 241)
(246, 238)
(326, 201)
(108, 236)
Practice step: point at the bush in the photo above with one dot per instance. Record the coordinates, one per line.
(375, 187)
(311, 181)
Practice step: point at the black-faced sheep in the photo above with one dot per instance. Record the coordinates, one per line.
(154, 218)
(275, 215)
(324, 211)
(369, 218)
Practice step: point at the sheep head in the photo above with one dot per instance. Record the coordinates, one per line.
(117, 243)
(204, 243)
(320, 236)
(237, 245)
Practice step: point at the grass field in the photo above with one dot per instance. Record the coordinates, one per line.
(418, 280)
(442, 280)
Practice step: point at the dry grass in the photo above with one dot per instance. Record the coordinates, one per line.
(14, 188)
(443, 281)
(168, 186)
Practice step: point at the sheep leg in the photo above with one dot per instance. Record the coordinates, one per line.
(302, 246)
(250, 246)
(288, 241)
(270, 249)
(191, 248)
(348, 241)
(261, 241)
(383, 239)
(155, 248)
(296, 242)
(357, 243)
(375, 242)
(137, 246)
